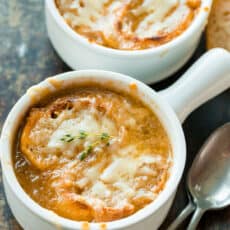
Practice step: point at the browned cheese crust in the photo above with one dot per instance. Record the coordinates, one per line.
(123, 29)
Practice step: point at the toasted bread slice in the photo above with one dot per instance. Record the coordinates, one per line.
(218, 30)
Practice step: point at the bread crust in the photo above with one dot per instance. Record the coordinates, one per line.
(32, 143)
(218, 29)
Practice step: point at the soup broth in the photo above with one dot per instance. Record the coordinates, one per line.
(92, 155)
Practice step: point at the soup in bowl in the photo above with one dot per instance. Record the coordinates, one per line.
(91, 150)
(146, 39)
(129, 25)
(100, 150)
(93, 154)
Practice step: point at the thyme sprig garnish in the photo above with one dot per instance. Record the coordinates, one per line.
(68, 137)
(103, 138)
(85, 153)
(82, 135)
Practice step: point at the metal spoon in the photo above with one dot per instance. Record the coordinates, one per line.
(208, 180)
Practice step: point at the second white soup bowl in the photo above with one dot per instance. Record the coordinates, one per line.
(149, 65)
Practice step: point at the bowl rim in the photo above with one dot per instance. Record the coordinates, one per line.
(168, 117)
(198, 22)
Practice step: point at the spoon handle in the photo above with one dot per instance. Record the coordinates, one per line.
(196, 218)
(182, 216)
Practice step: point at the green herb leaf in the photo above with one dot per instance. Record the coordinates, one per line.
(67, 138)
(85, 153)
(82, 155)
(82, 135)
(105, 136)
(70, 139)
(89, 149)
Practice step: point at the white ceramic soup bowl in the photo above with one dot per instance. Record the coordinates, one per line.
(208, 77)
(150, 65)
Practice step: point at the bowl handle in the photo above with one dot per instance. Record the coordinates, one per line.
(208, 77)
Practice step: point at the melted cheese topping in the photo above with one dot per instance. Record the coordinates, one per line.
(84, 121)
(116, 178)
(128, 24)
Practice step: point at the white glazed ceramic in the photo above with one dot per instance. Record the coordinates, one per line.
(149, 65)
(207, 78)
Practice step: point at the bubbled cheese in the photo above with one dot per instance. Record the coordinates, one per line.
(86, 121)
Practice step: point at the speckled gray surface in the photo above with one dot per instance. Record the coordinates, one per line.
(27, 57)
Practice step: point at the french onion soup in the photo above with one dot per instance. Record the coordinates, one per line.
(129, 24)
(92, 154)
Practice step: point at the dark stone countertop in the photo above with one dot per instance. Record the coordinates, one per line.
(27, 57)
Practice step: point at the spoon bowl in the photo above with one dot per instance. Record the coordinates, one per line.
(208, 179)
